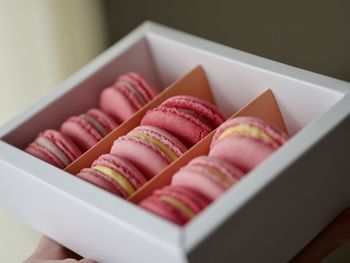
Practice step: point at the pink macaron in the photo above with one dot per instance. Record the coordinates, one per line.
(127, 95)
(207, 175)
(246, 141)
(175, 203)
(53, 147)
(87, 129)
(149, 148)
(114, 174)
(186, 117)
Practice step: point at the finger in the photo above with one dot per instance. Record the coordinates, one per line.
(68, 260)
(48, 249)
(87, 261)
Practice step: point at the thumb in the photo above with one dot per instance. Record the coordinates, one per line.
(48, 249)
(68, 260)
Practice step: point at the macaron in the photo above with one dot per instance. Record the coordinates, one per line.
(114, 174)
(127, 95)
(246, 141)
(186, 117)
(175, 203)
(207, 175)
(87, 129)
(53, 147)
(149, 148)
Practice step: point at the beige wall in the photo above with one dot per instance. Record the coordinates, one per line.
(311, 34)
(42, 42)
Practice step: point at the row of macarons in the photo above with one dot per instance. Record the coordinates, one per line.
(165, 133)
(77, 134)
(238, 146)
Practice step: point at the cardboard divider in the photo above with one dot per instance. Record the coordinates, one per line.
(193, 83)
(264, 107)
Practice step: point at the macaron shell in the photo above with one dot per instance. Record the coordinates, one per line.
(194, 200)
(102, 181)
(244, 152)
(127, 95)
(132, 92)
(147, 158)
(208, 111)
(44, 154)
(185, 127)
(150, 149)
(200, 181)
(226, 169)
(103, 119)
(80, 132)
(170, 141)
(123, 167)
(63, 142)
(164, 210)
(278, 136)
(188, 118)
(200, 175)
(148, 90)
(55, 148)
(116, 104)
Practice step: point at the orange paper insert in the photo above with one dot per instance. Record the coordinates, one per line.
(264, 107)
(194, 83)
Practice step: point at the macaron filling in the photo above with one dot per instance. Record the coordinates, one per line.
(130, 87)
(46, 143)
(228, 181)
(179, 205)
(102, 131)
(161, 146)
(199, 117)
(246, 130)
(148, 92)
(117, 177)
(106, 121)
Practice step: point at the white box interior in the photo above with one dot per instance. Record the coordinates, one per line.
(235, 83)
(79, 94)
(235, 77)
(161, 61)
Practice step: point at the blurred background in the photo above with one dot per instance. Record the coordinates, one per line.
(44, 41)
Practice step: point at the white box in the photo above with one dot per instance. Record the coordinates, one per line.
(268, 217)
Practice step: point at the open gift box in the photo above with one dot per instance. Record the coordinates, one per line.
(268, 217)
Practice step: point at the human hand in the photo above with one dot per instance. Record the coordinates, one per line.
(332, 237)
(48, 251)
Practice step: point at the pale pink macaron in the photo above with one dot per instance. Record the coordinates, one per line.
(175, 203)
(127, 95)
(246, 141)
(207, 175)
(87, 129)
(114, 174)
(188, 118)
(149, 148)
(53, 147)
